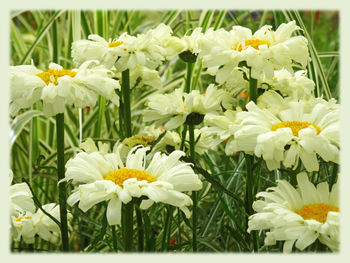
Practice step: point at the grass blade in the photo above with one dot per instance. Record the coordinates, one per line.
(41, 34)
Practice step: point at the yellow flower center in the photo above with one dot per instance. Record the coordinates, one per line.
(254, 43)
(23, 217)
(26, 217)
(138, 140)
(295, 126)
(52, 75)
(119, 176)
(317, 212)
(115, 44)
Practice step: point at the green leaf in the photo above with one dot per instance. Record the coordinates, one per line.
(19, 122)
(217, 184)
(171, 16)
(210, 244)
(14, 13)
(41, 34)
(220, 19)
(205, 19)
(101, 232)
(18, 42)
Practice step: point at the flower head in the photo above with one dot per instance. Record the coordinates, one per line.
(21, 199)
(298, 216)
(289, 131)
(192, 41)
(28, 225)
(171, 140)
(295, 85)
(222, 128)
(127, 52)
(178, 107)
(264, 51)
(58, 87)
(105, 177)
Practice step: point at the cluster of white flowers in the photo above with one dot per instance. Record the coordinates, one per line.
(28, 225)
(287, 126)
(26, 222)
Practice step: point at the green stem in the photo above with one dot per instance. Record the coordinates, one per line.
(60, 176)
(179, 226)
(171, 210)
(101, 111)
(165, 229)
(140, 233)
(128, 219)
(189, 70)
(55, 42)
(121, 117)
(194, 194)
(128, 226)
(253, 89)
(126, 100)
(249, 195)
(114, 239)
(100, 27)
(30, 153)
(184, 131)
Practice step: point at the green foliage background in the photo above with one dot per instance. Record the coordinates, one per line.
(41, 35)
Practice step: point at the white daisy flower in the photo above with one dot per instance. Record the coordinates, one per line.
(204, 140)
(89, 146)
(21, 198)
(263, 51)
(28, 225)
(295, 85)
(58, 87)
(172, 141)
(300, 130)
(192, 41)
(142, 76)
(275, 103)
(178, 107)
(162, 37)
(126, 51)
(222, 128)
(107, 178)
(95, 48)
(298, 216)
(25, 87)
(191, 45)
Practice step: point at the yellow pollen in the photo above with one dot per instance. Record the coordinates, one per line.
(254, 43)
(317, 212)
(119, 176)
(52, 75)
(295, 126)
(138, 139)
(115, 44)
(25, 217)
